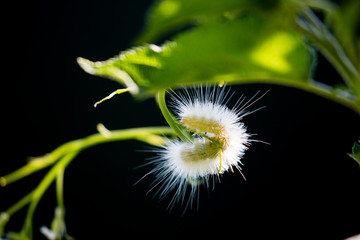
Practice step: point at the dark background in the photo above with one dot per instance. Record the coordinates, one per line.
(302, 186)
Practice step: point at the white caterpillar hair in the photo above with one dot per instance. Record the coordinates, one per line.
(220, 141)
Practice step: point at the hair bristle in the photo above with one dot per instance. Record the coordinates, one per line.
(220, 141)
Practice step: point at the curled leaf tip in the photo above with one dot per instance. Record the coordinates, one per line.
(103, 130)
(86, 65)
(119, 91)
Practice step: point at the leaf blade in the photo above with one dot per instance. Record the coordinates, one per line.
(234, 51)
(356, 152)
(167, 15)
(249, 48)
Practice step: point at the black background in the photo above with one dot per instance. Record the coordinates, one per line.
(302, 186)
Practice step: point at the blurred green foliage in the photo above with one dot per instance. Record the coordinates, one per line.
(267, 51)
(233, 41)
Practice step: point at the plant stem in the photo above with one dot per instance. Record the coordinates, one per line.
(60, 188)
(317, 88)
(331, 49)
(20, 204)
(141, 134)
(42, 187)
(66, 153)
(171, 120)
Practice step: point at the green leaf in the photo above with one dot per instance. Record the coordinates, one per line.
(168, 15)
(131, 67)
(252, 48)
(356, 152)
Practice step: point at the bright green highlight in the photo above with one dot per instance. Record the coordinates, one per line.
(223, 51)
(248, 48)
(273, 51)
(169, 8)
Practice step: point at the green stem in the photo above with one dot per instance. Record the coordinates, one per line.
(60, 188)
(66, 153)
(69, 151)
(20, 204)
(322, 90)
(171, 120)
(5, 216)
(310, 86)
(42, 187)
(331, 49)
(141, 134)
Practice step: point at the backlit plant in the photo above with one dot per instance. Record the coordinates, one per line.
(226, 42)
